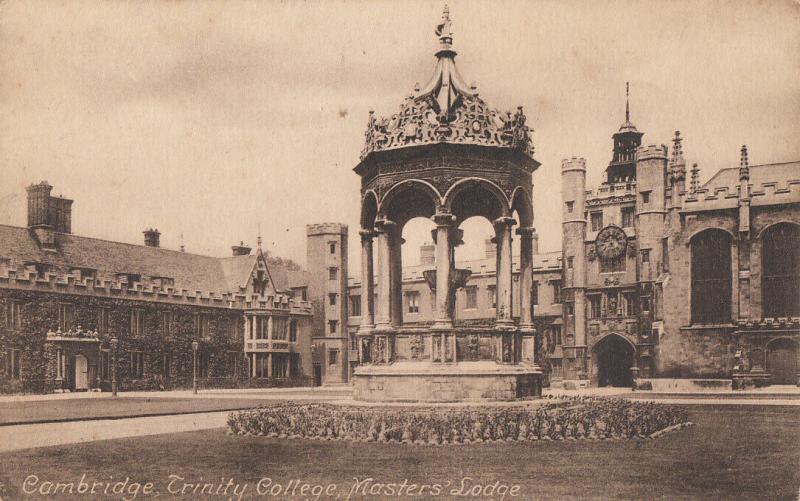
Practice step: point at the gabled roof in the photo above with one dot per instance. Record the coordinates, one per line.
(192, 272)
(759, 174)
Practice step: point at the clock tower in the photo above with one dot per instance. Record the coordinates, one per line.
(623, 162)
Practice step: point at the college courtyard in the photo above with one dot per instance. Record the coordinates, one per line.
(739, 446)
(426, 348)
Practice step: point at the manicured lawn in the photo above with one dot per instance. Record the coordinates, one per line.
(733, 452)
(47, 410)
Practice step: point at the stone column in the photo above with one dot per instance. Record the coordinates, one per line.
(444, 224)
(526, 278)
(502, 228)
(382, 318)
(367, 284)
(396, 276)
(269, 365)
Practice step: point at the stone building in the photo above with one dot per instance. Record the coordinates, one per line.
(664, 280)
(78, 311)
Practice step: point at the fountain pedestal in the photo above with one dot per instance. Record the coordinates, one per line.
(461, 363)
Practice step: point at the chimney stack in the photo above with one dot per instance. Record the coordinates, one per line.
(427, 254)
(48, 215)
(241, 249)
(151, 237)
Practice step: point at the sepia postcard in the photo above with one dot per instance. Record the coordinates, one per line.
(357, 250)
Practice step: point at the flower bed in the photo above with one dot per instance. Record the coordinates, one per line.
(557, 419)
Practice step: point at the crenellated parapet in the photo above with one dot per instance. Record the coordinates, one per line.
(727, 197)
(651, 152)
(73, 283)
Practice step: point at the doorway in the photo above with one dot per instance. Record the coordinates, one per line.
(81, 373)
(317, 375)
(612, 360)
(782, 361)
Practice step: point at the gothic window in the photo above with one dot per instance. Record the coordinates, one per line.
(629, 303)
(332, 326)
(136, 325)
(13, 315)
(413, 301)
(534, 293)
(612, 265)
(355, 305)
(472, 297)
(332, 273)
(570, 262)
(137, 364)
(332, 299)
(556, 334)
(166, 323)
(570, 205)
(646, 197)
(201, 325)
(13, 363)
(597, 220)
(261, 365)
(711, 277)
(594, 305)
(627, 217)
(333, 356)
(492, 295)
(103, 316)
(781, 264)
(645, 255)
(65, 317)
(556, 291)
(332, 247)
(293, 331)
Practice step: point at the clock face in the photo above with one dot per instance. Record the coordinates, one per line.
(610, 242)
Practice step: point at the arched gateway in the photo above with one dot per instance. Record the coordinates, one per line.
(446, 156)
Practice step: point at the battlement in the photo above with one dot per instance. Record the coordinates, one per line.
(651, 152)
(326, 229)
(769, 193)
(573, 164)
(73, 283)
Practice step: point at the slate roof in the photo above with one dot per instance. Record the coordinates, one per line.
(189, 271)
(779, 173)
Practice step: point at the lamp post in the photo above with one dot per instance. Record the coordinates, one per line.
(195, 345)
(114, 344)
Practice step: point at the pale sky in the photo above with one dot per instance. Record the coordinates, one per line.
(210, 118)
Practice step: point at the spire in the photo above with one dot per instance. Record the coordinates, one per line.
(744, 167)
(258, 238)
(695, 183)
(677, 150)
(627, 102)
(627, 126)
(182, 247)
(677, 163)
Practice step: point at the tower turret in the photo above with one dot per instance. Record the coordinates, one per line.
(623, 162)
(651, 173)
(573, 194)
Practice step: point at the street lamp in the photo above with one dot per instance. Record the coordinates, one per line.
(114, 344)
(195, 345)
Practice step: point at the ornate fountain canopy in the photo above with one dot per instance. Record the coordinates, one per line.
(447, 110)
